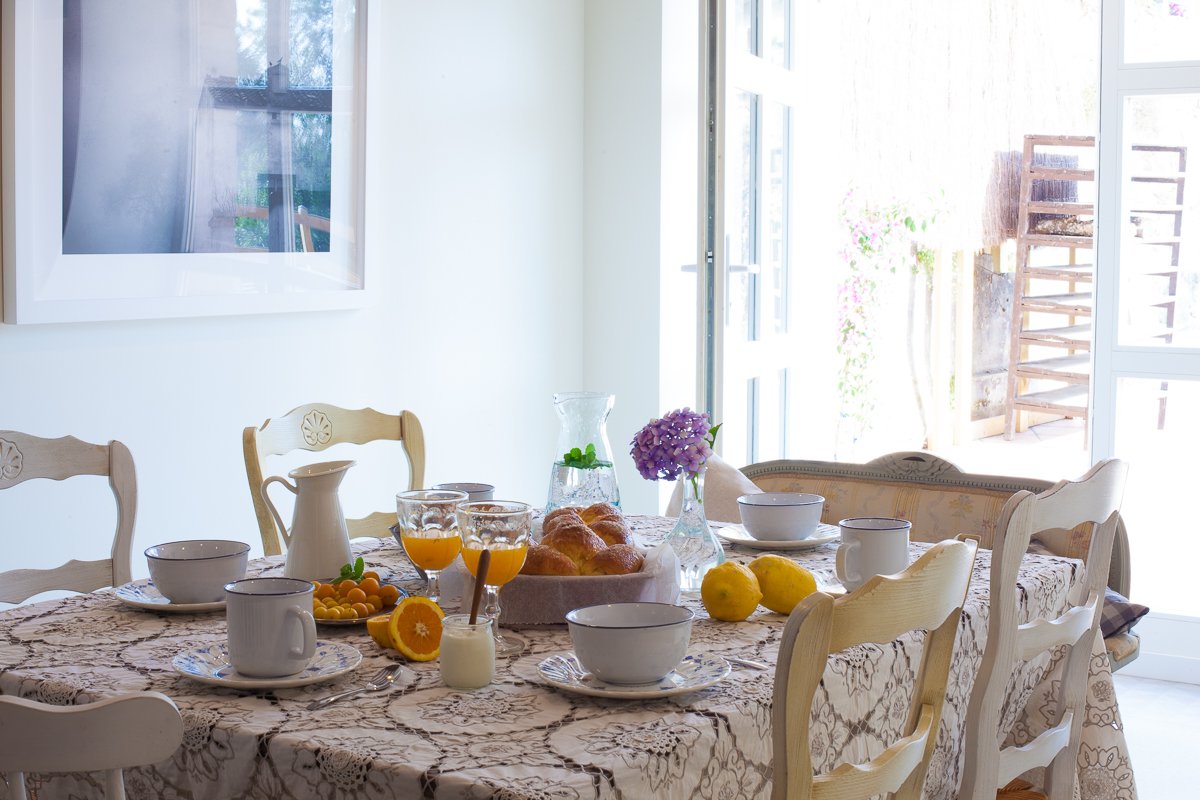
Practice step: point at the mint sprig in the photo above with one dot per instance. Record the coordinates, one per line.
(354, 573)
(581, 459)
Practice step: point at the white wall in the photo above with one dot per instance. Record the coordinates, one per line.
(640, 147)
(474, 251)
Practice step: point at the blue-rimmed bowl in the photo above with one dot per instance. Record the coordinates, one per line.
(196, 570)
(781, 516)
(630, 643)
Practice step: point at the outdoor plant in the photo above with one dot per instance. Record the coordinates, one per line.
(881, 240)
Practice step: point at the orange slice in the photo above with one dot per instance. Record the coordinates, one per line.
(415, 627)
(380, 630)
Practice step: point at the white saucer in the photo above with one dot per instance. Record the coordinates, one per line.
(210, 664)
(736, 534)
(143, 594)
(693, 674)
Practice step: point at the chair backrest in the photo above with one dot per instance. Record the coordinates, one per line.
(24, 457)
(928, 596)
(128, 730)
(938, 498)
(1096, 499)
(315, 427)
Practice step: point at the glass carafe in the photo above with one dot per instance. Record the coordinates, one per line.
(583, 470)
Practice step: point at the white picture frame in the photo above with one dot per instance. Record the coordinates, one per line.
(68, 259)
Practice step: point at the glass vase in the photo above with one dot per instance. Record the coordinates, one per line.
(583, 416)
(697, 547)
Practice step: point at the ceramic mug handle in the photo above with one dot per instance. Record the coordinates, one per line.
(843, 573)
(283, 531)
(308, 627)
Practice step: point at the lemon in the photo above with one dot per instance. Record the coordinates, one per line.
(784, 583)
(730, 592)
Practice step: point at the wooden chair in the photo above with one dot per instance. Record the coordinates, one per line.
(929, 595)
(315, 427)
(1095, 498)
(128, 730)
(24, 457)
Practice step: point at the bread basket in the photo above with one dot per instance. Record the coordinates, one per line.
(545, 599)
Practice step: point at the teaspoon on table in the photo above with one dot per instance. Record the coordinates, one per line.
(382, 680)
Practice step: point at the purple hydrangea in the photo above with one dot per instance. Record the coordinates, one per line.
(679, 443)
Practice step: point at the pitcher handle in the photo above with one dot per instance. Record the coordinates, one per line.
(287, 540)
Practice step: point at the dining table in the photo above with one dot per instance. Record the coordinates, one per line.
(520, 737)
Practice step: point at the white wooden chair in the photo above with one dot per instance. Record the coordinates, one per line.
(315, 427)
(927, 596)
(24, 457)
(127, 730)
(1095, 498)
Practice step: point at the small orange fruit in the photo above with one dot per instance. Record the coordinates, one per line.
(371, 574)
(345, 586)
(369, 586)
(415, 627)
(389, 594)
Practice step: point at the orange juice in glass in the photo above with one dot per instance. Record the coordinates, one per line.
(429, 531)
(507, 560)
(503, 528)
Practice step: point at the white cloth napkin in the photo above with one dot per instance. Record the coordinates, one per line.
(723, 485)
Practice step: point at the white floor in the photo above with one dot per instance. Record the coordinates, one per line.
(1161, 730)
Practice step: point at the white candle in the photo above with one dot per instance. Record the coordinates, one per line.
(468, 658)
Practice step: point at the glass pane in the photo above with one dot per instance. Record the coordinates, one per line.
(1159, 302)
(777, 38)
(773, 258)
(741, 218)
(744, 32)
(1161, 30)
(1158, 433)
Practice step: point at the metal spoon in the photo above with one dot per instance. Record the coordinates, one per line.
(382, 680)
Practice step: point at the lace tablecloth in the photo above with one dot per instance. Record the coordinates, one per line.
(518, 738)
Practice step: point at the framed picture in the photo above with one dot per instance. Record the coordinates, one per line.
(189, 158)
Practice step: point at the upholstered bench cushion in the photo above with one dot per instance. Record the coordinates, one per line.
(936, 512)
(1121, 646)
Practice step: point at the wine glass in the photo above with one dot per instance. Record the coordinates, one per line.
(429, 531)
(503, 528)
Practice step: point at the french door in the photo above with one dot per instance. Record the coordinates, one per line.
(752, 313)
(1147, 365)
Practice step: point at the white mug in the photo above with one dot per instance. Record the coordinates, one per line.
(871, 546)
(270, 624)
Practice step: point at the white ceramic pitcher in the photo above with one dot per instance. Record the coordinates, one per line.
(318, 544)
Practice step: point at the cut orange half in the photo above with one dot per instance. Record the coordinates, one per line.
(415, 627)
(380, 629)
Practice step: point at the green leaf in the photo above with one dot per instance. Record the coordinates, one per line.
(581, 459)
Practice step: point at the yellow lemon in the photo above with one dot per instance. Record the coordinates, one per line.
(784, 583)
(730, 592)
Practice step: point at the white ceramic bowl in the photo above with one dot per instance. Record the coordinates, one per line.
(196, 570)
(630, 643)
(781, 516)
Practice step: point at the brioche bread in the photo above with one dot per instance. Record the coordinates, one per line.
(544, 560)
(619, 559)
(578, 542)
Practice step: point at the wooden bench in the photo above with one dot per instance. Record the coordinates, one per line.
(941, 501)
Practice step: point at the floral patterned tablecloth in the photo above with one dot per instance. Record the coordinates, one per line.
(518, 738)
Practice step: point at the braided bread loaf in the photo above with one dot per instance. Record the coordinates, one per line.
(592, 541)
